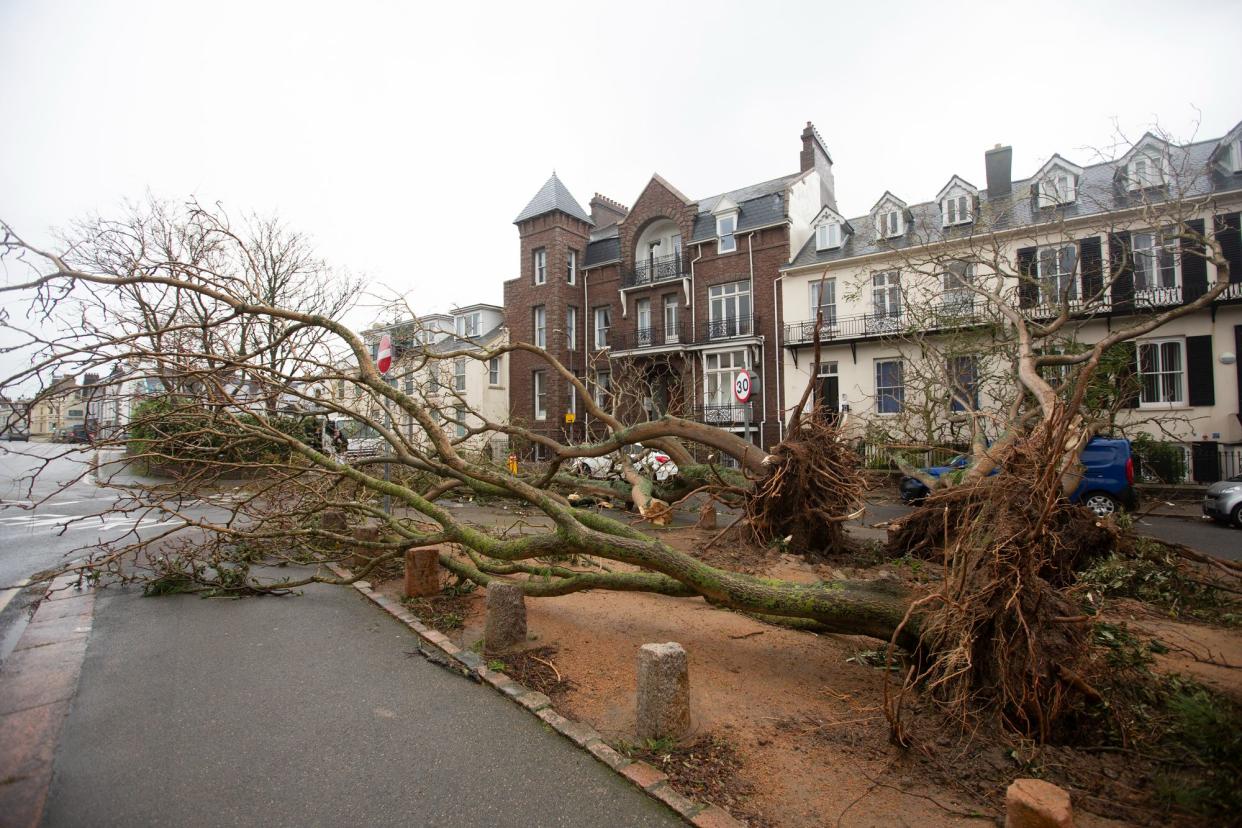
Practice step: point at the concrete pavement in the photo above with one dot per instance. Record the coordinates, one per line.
(305, 711)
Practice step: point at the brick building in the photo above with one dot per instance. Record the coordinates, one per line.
(658, 306)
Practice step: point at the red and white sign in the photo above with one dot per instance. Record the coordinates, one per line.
(742, 386)
(383, 356)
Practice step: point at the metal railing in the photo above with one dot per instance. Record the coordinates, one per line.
(844, 327)
(652, 337)
(724, 414)
(729, 327)
(659, 269)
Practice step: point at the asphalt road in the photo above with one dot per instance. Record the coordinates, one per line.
(1200, 535)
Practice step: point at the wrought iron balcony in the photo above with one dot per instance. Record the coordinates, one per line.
(659, 269)
(729, 327)
(724, 415)
(654, 337)
(844, 327)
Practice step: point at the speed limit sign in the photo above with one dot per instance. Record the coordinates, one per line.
(741, 386)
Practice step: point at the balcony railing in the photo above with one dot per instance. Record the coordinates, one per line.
(724, 415)
(655, 337)
(660, 269)
(728, 328)
(845, 327)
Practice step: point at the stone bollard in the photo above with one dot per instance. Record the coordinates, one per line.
(361, 555)
(422, 572)
(1034, 803)
(707, 517)
(663, 691)
(506, 617)
(333, 520)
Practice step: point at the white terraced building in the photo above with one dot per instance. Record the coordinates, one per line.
(875, 285)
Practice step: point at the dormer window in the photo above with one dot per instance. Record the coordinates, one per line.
(1234, 157)
(469, 324)
(956, 210)
(1061, 187)
(726, 226)
(1146, 170)
(892, 223)
(828, 236)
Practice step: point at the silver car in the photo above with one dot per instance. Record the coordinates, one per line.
(1223, 501)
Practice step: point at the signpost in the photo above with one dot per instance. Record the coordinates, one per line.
(742, 387)
(383, 363)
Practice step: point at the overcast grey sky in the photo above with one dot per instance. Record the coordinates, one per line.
(405, 138)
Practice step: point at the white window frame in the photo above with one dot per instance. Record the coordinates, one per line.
(828, 236)
(541, 326)
(541, 266)
(643, 326)
(886, 294)
(540, 394)
(735, 297)
(602, 314)
(955, 285)
(829, 290)
(894, 392)
(459, 374)
(892, 223)
(459, 417)
(718, 377)
(1147, 263)
(571, 267)
(1235, 156)
(1058, 187)
(672, 318)
(603, 387)
(726, 239)
(1047, 297)
(468, 325)
(493, 372)
(1170, 394)
(1146, 170)
(955, 404)
(957, 209)
(571, 327)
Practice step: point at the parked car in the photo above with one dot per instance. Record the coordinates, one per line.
(1107, 484)
(79, 434)
(1223, 501)
(16, 433)
(352, 439)
(659, 464)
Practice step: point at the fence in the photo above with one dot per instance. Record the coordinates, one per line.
(886, 456)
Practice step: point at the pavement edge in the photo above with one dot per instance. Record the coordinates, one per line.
(646, 777)
(37, 684)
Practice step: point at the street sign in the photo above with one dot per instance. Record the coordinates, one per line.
(383, 356)
(741, 386)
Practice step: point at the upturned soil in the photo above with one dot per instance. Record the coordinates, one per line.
(788, 726)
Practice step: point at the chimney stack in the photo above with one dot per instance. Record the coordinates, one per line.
(998, 162)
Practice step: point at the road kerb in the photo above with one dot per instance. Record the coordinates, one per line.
(646, 778)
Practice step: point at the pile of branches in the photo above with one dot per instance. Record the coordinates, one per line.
(813, 485)
(1005, 638)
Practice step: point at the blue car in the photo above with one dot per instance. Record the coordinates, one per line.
(1107, 484)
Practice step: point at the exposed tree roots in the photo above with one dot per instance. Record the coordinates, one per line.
(812, 486)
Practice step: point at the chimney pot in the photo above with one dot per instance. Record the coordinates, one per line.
(998, 162)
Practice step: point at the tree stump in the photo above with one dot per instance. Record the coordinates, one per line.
(506, 617)
(663, 691)
(422, 572)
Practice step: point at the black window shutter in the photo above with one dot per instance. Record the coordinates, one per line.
(1028, 288)
(1090, 256)
(1229, 235)
(1121, 271)
(1200, 390)
(1129, 385)
(1194, 267)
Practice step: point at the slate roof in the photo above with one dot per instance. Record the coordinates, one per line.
(1100, 190)
(758, 206)
(603, 251)
(553, 196)
(452, 343)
